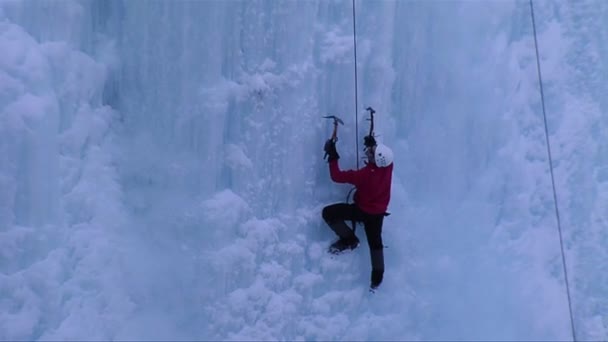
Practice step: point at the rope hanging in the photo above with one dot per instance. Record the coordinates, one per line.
(356, 91)
(559, 226)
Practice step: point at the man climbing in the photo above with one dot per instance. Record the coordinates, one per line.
(373, 184)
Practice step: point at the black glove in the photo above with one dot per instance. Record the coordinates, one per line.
(330, 150)
(369, 141)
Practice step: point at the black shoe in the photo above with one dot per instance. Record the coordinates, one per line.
(377, 276)
(341, 245)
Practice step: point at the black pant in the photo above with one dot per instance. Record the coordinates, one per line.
(336, 214)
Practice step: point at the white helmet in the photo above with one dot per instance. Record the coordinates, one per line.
(383, 156)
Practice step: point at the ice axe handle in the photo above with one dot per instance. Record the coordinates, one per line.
(371, 127)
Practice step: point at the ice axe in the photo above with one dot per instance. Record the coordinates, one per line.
(337, 120)
(369, 140)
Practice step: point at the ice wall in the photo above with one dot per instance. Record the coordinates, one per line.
(161, 172)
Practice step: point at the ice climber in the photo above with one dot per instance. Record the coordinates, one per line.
(371, 199)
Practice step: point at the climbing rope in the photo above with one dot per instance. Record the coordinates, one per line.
(356, 91)
(559, 226)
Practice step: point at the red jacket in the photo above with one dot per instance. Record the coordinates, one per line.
(373, 185)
